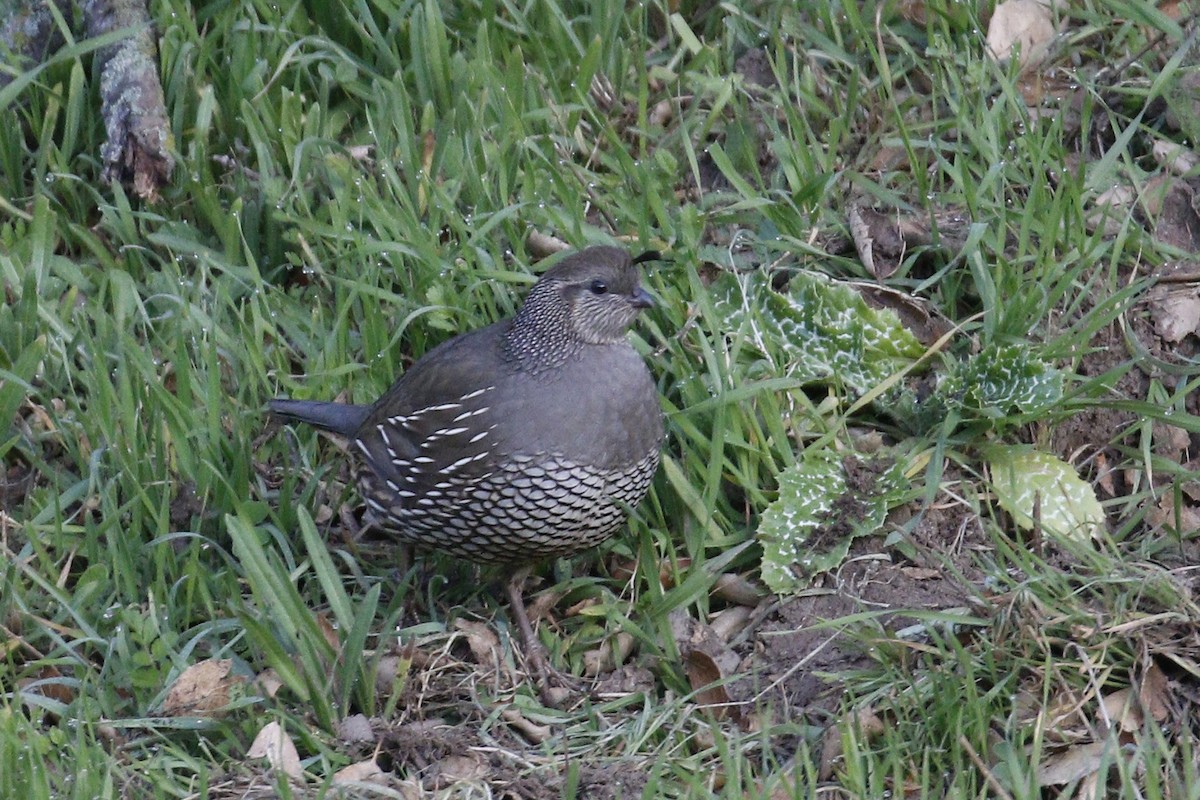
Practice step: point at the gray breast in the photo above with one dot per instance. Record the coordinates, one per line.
(522, 508)
(514, 471)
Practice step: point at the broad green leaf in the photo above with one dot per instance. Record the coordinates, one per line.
(1025, 480)
(824, 329)
(1002, 380)
(817, 515)
(999, 384)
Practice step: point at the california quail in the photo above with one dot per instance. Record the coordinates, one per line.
(526, 439)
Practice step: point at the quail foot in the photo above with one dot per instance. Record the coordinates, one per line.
(524, 440)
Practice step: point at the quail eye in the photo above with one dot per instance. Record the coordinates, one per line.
(599, 287)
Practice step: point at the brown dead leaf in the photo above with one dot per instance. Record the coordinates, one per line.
(1171, 441)
(1071, 764)
(1176, 313)
(1118, 196)
(1110, 208)
(578, 608)
(1105, 475)
(662, 113)
(393, 671)
(1181, 521)
(877, 240)
(864, 723)
(913, 10)
(608, 655)
(922, 319)
(1154, 692)
(49, 682)
(1024, 26)
(1179, 160)
(274, 744)
(323, 514)
(201, 690)
(625, 680)
(1153, 194)
(1060, 720)
(362, 772)
(1121, 712)
(708, 663)
(1176, 10)
(709, 689)
(328, 632)
(1171, 204)
(268, 682)
(455, 769)
(483, 642)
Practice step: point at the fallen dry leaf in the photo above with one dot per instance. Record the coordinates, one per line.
(201, 690)
(1181, 521)
(1071, 764)
(1121, 712)
(269, 682)
(1171, 204)
(922, 319)
(543, 244)
(1027, 25)
(625, 680)
(608, 655)
(483, 642)
(273, 744)
(1154, 692)
(864, 722)
(1171, 441)
(49, 682)
(878, 240)
(455, 769)
(1176, 314)
(362, 772)
(328, 632)
(709, 690)
(1105, 475)
(1175, 157)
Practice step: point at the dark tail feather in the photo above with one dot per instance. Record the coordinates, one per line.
(343, 419)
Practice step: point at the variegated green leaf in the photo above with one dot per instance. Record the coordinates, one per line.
(810, 526)
(1025, 480)
(1000, 381)
(823, 328)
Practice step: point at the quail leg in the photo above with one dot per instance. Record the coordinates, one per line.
(533, 648)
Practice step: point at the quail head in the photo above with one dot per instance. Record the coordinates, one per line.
(526, 439)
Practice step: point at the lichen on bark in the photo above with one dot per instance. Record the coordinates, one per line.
(137, 150)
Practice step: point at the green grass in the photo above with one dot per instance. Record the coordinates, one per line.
(356, 183)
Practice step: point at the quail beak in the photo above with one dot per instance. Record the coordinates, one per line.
(641, 299)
